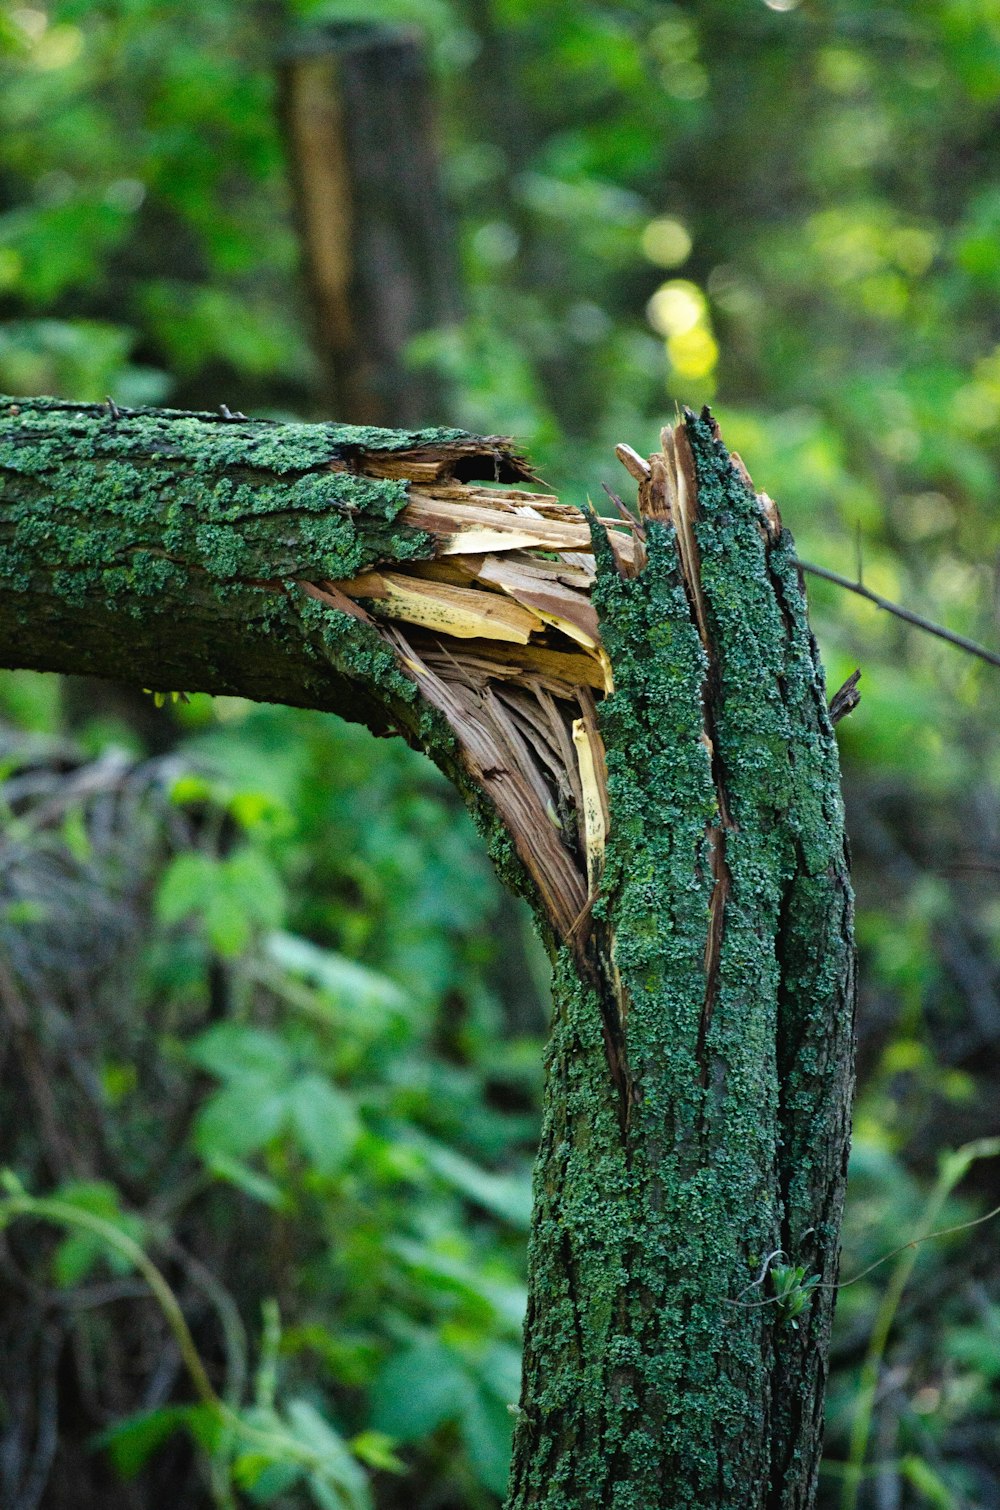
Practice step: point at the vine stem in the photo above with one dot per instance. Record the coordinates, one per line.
(18, 1203)
(926, 1237)
(65, 1215)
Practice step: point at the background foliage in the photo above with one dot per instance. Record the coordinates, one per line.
(265, 1009)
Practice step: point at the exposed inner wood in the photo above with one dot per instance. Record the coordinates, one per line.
(498, 630)
(314, 119)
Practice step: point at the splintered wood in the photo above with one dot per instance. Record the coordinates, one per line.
(497, 629)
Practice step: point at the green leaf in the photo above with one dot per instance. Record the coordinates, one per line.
(332, 1496)
(76, 1256)
(255, 885)
(191, 787)
(240, 1118)
(257, 1186)
(325, 1122)
(929, 1484)
(499, 1372)
(340, 1482)
(131, 1443)
(418, 1389)
(506, 1195)
(261, 812)
(23, 912)
(349, 983)
(75, 836)
(186, 886)
(315, 1432)
(205, 1426)
(487, 1431)
(231, 1051)
(282, 1454)
(99, 1197)
(263, 1475)
(81, 1251)
(227, 925)
(375, 1449)
(977, 1347)
(435, 1268)
(231, 898)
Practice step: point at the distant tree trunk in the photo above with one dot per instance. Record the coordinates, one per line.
(378, 243)
(635, 712)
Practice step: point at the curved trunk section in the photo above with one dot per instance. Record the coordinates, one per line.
(635, 711)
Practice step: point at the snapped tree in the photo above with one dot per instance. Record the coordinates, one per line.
(634, 710)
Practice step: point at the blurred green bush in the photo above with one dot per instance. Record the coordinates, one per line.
(322, 1063)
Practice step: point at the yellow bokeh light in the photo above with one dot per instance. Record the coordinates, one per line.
(666, 242)
(913, 249)
(11, 263)
(30, 22)
(676, 307)
(58, 48)
(976, 407)
(693, 353)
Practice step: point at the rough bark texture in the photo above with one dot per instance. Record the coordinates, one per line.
(166, 548)
(644, 1384)
(659, 779)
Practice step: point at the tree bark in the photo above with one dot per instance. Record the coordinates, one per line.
(379, 246)
(635, 712)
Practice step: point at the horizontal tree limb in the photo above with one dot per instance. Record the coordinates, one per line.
(393, 577)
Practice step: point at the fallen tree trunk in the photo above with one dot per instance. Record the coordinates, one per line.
(635, 711)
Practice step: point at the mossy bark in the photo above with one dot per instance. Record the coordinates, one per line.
(653, 1376)
(166, 549)
(700, 1067)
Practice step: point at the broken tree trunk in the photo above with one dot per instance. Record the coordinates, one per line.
(634, 710)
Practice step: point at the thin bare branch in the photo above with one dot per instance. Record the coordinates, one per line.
(992, 657)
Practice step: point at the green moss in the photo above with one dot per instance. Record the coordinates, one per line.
(228, 501)
(643, 1386)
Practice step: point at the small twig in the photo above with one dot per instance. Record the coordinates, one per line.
(892, 1253)
(764, 1269)
(992, 657)
(634, 464)
(941, 1232)
(956, 1165)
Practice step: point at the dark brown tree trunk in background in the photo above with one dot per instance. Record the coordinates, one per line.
(378, 244)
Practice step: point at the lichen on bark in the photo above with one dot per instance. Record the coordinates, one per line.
(646, 1381)
(143, 502)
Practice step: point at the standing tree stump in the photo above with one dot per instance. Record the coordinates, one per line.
(379, 245)
(635, 712)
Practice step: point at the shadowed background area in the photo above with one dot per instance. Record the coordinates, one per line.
(262, 1003)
